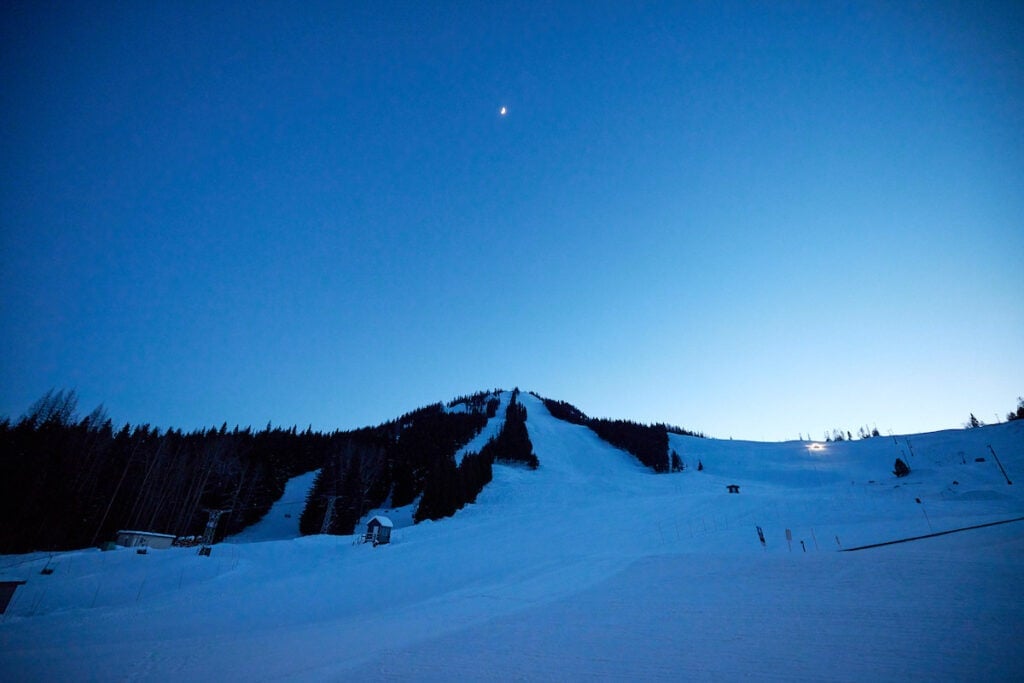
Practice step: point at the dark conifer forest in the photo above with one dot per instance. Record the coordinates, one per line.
(648, 443)
(394, 464)
(69, 482)
(451, 487)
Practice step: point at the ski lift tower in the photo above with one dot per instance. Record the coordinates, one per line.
(328, 514)
(211, 528)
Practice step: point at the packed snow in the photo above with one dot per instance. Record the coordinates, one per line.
(282, 520)
(590, 567)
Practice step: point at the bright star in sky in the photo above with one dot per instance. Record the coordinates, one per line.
(681, 181)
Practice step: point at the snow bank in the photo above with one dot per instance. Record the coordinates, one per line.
(590, 566)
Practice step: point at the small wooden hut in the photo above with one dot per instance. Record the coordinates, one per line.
(378, 530)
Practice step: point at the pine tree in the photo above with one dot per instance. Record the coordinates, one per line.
(677, 462)
(900, 468)
(1019, 413)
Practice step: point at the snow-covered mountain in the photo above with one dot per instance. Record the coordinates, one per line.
(589, 567)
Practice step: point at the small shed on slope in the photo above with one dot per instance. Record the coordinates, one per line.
(378, 530)
(144, 539)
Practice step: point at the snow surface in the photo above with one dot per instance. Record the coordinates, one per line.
(590, 567)
(282, 520)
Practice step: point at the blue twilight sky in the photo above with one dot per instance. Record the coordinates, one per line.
(755, 219)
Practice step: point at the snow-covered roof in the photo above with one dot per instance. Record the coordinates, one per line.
(382, 520)
(145, 533)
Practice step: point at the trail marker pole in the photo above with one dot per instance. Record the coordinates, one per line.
(925, 514)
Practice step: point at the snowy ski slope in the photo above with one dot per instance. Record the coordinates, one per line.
(282, 520)
(590, 567)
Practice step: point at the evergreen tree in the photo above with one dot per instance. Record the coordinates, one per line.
(677, 462)
(1019, 413)
(900, 468)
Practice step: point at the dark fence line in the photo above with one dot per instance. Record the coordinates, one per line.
(937, 533)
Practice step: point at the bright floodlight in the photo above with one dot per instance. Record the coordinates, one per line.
(816, 447)
(504, 110)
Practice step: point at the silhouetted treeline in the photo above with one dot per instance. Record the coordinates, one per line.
(513, 441)
(393, 463)
(68, 483)
(565, 411)
(482, 401)
(1017, 414)
(351, 475)
(649, 443)
(451, 487)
